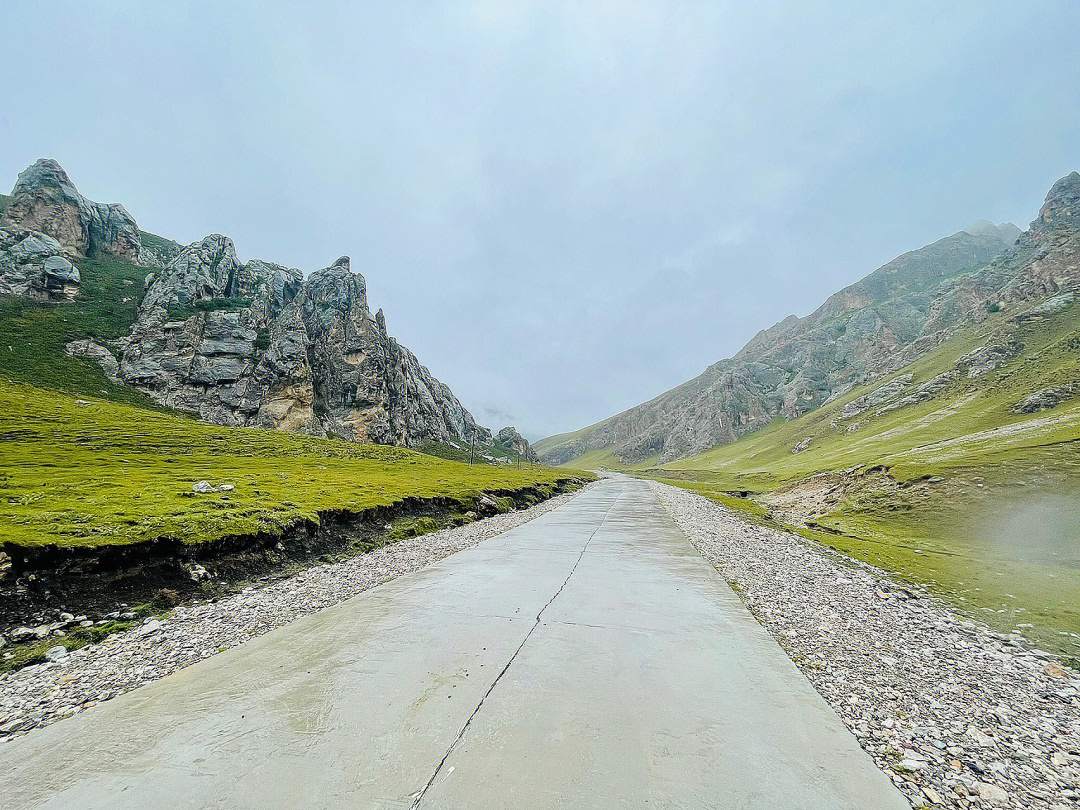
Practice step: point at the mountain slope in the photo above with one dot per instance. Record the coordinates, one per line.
(956, 465)
(798, 364)
(195, 329)
(889, 318)
(959, 471)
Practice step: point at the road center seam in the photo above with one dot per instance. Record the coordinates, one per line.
(419, 797)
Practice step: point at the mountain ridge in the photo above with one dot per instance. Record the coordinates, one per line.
(862, 332)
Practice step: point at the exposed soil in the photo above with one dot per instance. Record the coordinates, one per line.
(803, 502)
(36, 584)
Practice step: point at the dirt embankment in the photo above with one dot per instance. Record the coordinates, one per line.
(805, 501)
(39, 583)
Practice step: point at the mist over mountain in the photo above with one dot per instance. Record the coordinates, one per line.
(871, 328)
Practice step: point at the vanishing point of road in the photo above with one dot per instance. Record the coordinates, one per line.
(588, 658)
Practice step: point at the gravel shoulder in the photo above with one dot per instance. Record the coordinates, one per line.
(41, 694)
(955, 714)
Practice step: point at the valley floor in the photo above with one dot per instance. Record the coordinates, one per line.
(590, 656)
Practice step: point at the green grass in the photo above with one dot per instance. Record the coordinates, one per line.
(183, 312)
(461, 453)
(33, 652)
(159, 244)
(34, 333)
(110, 473)
(980, 504)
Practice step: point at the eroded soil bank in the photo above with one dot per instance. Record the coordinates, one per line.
(72, 596)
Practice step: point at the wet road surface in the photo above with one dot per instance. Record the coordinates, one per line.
(589, 658)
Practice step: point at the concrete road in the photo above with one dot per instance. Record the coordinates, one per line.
(590, 658)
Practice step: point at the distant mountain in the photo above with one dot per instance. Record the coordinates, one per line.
(238, 343)
(868, 330)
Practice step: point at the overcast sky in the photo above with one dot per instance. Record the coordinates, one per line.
(564, 210)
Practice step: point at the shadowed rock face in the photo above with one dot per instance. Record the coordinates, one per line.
(237, 343)
(868, 330)
(509, 438)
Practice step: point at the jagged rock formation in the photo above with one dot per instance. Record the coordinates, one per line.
(868, 330)
(513, 441)
(256, 344)
(46, 224)
(237, 343)
(46, 201)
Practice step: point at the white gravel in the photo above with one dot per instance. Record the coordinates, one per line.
(955, 714)
(44, 693)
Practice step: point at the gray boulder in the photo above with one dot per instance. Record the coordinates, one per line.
(95, 351)
(34, 266)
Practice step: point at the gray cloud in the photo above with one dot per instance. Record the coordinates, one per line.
(564, 209)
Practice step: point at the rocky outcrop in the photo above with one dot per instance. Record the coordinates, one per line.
(256, 344)
(46, 201)
(46, 224)
(238, 343)
(35, 266)
(1047, 398)
(95, 351)
(511, 440)
(863, 333)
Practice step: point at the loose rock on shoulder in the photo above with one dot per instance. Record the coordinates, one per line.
(954, 714)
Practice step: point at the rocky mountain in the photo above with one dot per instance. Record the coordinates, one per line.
(46, 201)
(514, 442)
(238, 343)
(867, 330)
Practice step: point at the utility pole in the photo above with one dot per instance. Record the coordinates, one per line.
(472, 447)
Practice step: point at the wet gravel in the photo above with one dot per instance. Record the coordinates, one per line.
(41, 694)
(954, 713)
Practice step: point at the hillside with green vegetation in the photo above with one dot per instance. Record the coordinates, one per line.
(89, 472)
(962, 492)
(35, 332)
(87, 462)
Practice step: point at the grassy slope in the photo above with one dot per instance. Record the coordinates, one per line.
(981, 503)
(120, 469)
(451, 453)
(159, 244)
(105, 473)
(34, 334)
